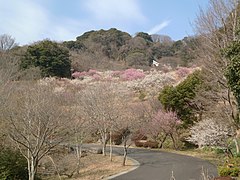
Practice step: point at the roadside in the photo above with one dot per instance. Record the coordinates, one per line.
(208, 155)
(93, 166)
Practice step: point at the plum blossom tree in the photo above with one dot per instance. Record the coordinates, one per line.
(132, 74)
(210, 132)
(162, 125)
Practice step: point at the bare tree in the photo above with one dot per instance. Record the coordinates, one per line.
(126, 123)
(7, 42)
(8, 71)
(217, 28)
(99, 106)
(37, 123)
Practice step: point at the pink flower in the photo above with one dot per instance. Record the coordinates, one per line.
(132, 74)
(183, 71)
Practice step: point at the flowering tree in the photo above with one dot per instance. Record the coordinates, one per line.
(132, 74)
(162, 125)
(209, 132)
(183, 71)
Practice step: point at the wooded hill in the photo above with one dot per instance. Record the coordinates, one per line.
(116, 50)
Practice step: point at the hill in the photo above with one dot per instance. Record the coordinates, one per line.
(116, 50)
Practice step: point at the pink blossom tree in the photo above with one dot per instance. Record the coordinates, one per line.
(183, 71)
(132, 74)
(162, 125)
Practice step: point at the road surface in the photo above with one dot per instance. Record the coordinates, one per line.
(159, 165)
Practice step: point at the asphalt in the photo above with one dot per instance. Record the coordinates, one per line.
(159, 165)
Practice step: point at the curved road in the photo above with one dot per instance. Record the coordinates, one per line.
(158, 165)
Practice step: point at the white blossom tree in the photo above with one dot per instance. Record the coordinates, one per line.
(209, 132)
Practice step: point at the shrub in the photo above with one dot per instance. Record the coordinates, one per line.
(142, 95)
(151, 144)
(12, 165)
(79, 74)
(138, 136)
(91, 72)
(139, 143)
(116, 73)
(228, 171)
(230, 168)
(117, 138)
(146, 144)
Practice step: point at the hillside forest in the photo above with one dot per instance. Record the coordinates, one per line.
(110, 87)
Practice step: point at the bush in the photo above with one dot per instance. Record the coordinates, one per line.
(230, 168)
(12, 165)
(139, 143)
(228, 171)
(219, 151)
(117, 138)
(151, 144)
(146, 144)
(138, 136)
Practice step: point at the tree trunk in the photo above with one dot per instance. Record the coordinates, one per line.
(124, 152)
(79, 154)
(32, 167)
(236, 145)
(161, 143)
(104, 142)
(110, 141)
(55, 167)
(173, 140)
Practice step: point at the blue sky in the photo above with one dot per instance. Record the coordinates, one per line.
(29, 21)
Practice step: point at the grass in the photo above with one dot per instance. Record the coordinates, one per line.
(100, 167)
(209, 155)
(96, 166)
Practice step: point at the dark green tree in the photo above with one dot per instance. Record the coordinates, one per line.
(12, 165)
(145, 36)
(180, 98)
(52, 59)
(232, 72)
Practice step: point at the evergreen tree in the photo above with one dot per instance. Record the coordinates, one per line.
(52, 59)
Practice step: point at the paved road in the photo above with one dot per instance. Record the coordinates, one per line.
(157, 165)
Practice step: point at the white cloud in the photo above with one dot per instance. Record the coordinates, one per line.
(24, 20)
(159, 27)
(115, 11)
(27, 21)
(68, 29)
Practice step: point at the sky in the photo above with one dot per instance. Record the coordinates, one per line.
(29, 21)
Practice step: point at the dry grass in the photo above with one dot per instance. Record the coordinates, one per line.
(96, 166)
(99, 167)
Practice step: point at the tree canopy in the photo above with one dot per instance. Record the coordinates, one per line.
(179, 98)
(232, 72)
(52, 59)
